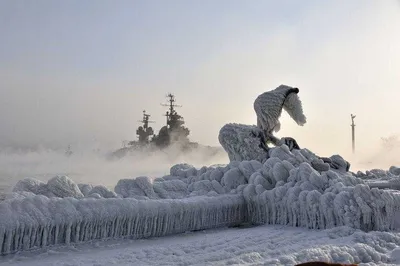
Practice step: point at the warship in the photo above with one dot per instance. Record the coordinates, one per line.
(173, 133)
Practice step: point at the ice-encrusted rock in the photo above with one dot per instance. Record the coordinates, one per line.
(171, 189)
(133, 188)
(379, 173)
(103, 192)
(95, 196)
(249, 167)
(233, 178)
(395, 255)
(32, 185)
(217, 187)
(322, 200)
(85, 188)
(284, 154)
(212, 194)
(19, 195)
(217, 174)
(63, 186)
(143, 182)
(242, 142)
(339, 163)
(320, 165)
(128, 188)
(394, 170)
(183, 170)
(205, 185)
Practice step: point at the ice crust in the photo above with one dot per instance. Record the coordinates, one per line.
(294, 188)
(242, 142)
(36, 222)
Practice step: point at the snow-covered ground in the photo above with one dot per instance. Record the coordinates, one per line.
(262, 245)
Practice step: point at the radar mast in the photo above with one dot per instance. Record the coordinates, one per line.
(144, 131)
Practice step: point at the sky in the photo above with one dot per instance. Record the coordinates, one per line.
(82, 71)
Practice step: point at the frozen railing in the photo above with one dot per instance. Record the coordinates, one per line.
(37, 222)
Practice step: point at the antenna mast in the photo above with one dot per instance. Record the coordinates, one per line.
(171, 101)
(353, 138)
(172, 113)
(144, 131)
(145, 120)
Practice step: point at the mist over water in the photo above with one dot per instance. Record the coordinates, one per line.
(95, 167)
(380, 155)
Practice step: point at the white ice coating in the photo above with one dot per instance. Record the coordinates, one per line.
(286, 189)
(36, 222)
(279, 186)
(268, 108)
(242, 142)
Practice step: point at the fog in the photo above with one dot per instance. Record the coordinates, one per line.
(96, 167)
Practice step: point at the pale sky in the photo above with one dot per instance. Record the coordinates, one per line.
(79, 70)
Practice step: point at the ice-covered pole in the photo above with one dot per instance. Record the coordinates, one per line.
(353, 138)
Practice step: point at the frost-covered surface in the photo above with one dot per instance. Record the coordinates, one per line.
(36, 222)
(310, 199)
(262, 245)
(58, 186)
(296, 188)
(269, 105)
(32, 185)
(63, 186)
(383, 179)
(242, 142)
(103, 192)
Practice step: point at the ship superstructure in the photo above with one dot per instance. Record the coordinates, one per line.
(144, 131)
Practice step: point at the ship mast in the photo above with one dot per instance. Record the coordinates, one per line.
(145, 120)
(173, 119)
(144, 132)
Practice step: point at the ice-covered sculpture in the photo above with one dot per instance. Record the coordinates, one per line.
(268, 107)
(249, 142)
(242, 142)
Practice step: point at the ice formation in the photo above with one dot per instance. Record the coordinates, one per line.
(242, 142)
(36, 222)
(288, 188)
(32, 185)
(268, 107)
(278, 185)
(245, 142)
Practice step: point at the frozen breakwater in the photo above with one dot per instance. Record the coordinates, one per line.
(36, 222)
(290, 188)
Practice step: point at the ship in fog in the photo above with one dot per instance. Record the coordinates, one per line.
(172, 134)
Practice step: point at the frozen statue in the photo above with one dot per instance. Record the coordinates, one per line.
(268, 107)
(245, 142)
(250, 142)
